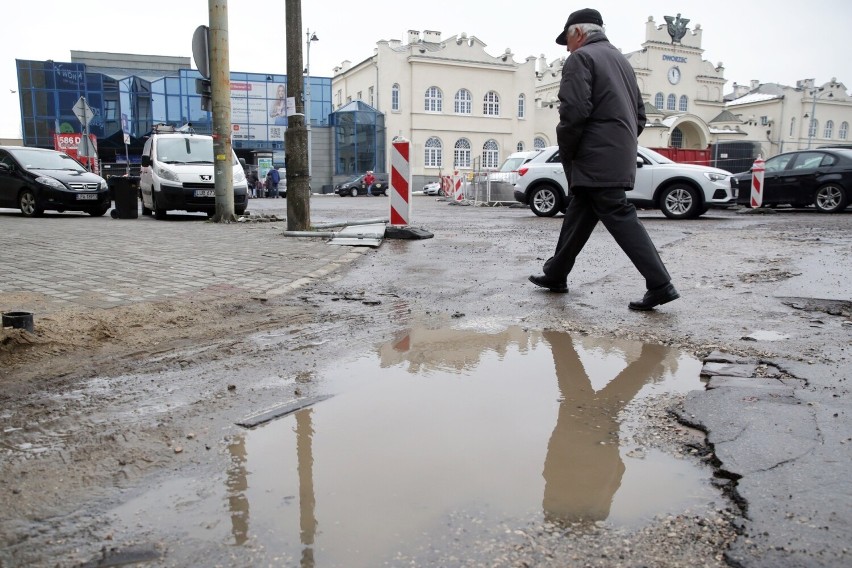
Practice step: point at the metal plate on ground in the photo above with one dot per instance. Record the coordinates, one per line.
(360, 235)
(281, 410)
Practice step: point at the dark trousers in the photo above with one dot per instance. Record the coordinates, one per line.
(610, 207)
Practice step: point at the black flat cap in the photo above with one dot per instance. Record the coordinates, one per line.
(584, 16)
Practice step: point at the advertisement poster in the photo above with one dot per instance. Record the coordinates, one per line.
(68, 143)
(258, 110)
(263, 166)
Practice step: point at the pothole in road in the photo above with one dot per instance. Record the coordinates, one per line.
(441, 436)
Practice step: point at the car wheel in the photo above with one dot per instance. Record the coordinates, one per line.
(159, 213)
(98, 212)
(830, 198)
(240, 211)
(146, 211)
(353, 192)
(680, 202)
(28, 204)
(544, 201)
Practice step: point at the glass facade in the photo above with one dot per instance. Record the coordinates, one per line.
(359, 139)
(134, 103)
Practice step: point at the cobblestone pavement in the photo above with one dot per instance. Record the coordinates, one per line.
(75, 259)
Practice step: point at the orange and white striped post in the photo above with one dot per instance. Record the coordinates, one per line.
(400, 182)
(458, 191)
(757, 171)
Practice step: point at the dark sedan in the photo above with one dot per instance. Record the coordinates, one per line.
(821, 177)
(34, 179)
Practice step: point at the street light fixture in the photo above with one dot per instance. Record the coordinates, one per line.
(310, 37)
(812, 126)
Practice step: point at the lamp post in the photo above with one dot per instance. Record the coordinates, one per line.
(310, 37)
(812, 126)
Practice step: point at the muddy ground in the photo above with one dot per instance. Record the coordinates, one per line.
(98, 403)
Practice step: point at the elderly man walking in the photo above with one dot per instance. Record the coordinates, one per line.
(601, 114)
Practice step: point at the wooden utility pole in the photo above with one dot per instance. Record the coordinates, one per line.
(296, 141)
(220, 78)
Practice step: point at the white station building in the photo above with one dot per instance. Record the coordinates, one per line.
(463, 108)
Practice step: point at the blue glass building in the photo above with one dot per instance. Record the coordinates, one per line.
(131, 100)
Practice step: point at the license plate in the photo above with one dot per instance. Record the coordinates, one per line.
(205, 193)
(87, 196)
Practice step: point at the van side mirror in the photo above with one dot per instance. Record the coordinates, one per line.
(5, 168)
(243, 162)
(639, 162)
(146, 161)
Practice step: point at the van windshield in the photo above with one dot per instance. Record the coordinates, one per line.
(185, 150)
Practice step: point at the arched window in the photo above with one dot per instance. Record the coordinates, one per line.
(792, 126)
(660, 101)
(844, 130)
(539, 143)
(829, 129)
(463, 101)
(461, 153)
(683, 103)
(670, 102)
(522, 105)
(490, 154)
(520, 147)
(395, 97)
(677, 138)
(812, 129)
(432, 156)
(434, 100)
(491, 104)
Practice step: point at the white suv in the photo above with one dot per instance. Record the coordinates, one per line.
(681, 191)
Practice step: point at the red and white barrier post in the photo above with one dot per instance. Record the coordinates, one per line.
(458, 191)
(400, 183)
(757, 171)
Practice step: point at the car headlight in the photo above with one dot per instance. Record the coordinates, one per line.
(239, 175)
(50, 182)
(167, 174)
(713, 176)
(103, 184)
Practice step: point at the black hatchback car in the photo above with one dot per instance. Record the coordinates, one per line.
(821, 177)
(356, 186)
(34, 179)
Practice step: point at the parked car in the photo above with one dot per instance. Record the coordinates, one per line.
(432, 188)
(681, 191)
(34, 180)
(820, 177)
(177, 174)
(356, 186)
(508, 171)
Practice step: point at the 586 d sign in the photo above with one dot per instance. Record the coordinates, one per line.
(69, 142)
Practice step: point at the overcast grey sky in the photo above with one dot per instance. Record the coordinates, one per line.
(770, 40)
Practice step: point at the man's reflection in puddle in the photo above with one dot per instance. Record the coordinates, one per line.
(583, 467)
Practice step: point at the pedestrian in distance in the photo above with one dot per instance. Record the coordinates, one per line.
(369, 179)
(253, 185)
(273, 178)
(601, 114)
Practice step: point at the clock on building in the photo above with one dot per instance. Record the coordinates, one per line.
(674, 75)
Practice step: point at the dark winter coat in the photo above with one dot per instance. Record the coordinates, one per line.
(601, 114)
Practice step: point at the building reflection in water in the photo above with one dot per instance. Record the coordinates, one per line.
(417, 444)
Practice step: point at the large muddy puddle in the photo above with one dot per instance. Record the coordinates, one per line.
(441, 436)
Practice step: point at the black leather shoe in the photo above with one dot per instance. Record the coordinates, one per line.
(655, 297)
(552, 285)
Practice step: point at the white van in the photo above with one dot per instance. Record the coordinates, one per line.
(177, 174)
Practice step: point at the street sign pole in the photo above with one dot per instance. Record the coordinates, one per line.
(85, 114)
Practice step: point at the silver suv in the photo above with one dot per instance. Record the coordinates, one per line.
(681, 191)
